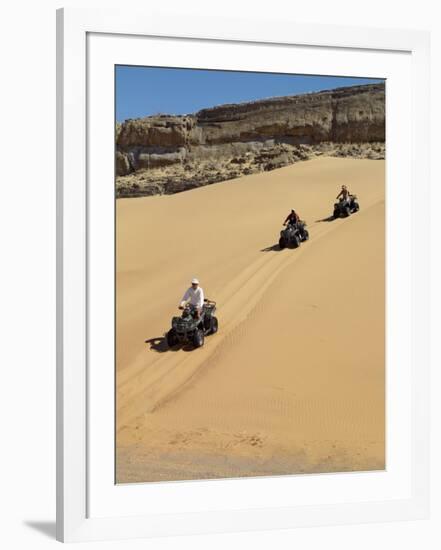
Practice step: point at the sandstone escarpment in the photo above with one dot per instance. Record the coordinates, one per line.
(168, 153)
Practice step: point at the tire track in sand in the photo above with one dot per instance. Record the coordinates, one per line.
(142, 389)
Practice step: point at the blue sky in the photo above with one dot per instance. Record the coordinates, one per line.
(143, 91)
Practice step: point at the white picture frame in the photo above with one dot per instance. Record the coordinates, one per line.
(77, 518)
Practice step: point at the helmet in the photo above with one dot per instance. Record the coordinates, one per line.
(194, 281)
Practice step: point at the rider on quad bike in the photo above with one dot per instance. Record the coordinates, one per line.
(295, 232)
(347, 203)
(197, 320)
(344, 193)
(194, 295)
(294, 219)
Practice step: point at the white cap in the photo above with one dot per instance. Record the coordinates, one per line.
(194, 281)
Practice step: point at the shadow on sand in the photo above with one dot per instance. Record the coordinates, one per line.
(272, 248)
(328, 219)
(159, 344)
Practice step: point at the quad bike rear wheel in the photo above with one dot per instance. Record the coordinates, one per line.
(214, 325)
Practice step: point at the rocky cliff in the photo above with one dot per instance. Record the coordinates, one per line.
(168, 153)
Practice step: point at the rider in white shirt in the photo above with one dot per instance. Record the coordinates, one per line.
(194, 296)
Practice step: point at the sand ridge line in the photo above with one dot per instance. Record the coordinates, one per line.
(156, 388)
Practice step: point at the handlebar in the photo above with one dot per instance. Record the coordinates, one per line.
(191, 306)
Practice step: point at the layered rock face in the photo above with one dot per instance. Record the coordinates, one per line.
(167, 153)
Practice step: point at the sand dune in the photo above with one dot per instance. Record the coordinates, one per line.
(294, 379)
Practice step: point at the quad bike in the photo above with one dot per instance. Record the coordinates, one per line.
(345, 207)
(190, 329)
(293, 234)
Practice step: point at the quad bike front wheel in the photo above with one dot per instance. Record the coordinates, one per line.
(198, 338)
(172, 338)
(305, 234)
(295, 241)
(282, 243)
(347, 211)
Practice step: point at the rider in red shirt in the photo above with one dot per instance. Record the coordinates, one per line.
(292, 218)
